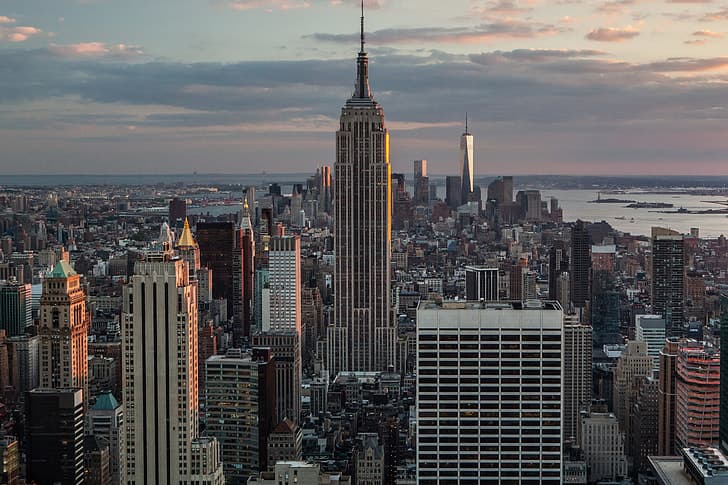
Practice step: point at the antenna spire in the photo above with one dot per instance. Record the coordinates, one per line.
(466, 122)
(362, 25)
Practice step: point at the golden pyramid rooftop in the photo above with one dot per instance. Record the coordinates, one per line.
(186, 240)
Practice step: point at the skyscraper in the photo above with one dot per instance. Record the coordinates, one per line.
(453, 196)
(668, 273)
(422, 183)
(697, 395)
(160, 335)
(15, 308)
(666, 398)
(221, 251)
(63, 331)
(247, 239)
(580, 265)
(241, 409)
(577, 377)
(467, 185)
(284, 281)
(364, 335)
(54, 436)
(489, 392)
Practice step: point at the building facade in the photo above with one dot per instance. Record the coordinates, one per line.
(161, 408)
(577, 377)
(668, 274)
(489, 392)
(63, 331)
(241, 409)
(697, 395)
(54, 436)
(363, 337)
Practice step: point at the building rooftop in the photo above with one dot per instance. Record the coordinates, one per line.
(62, 269)
(485, 305)
(105, 402)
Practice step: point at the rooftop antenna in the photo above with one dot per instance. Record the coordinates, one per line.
(362, 25)
(466, 122)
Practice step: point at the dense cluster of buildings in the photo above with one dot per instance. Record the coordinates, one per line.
(357, 329)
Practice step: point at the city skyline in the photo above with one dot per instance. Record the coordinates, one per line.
(592, 87)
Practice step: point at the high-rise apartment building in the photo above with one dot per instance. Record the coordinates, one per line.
(651, 330)
(286, 349)
(15, 308)
(467, 186)
(482, 283)
(697, 395)
(577, 377)
(666, 398)
(63, 331)
(54, 436)
(489, 392)
(580, 265)
(363, 337)
(668, 274)
(284, 282)
(241, 409)
(160, 332)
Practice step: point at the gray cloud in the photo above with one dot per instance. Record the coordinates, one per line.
(537, 93)
(504, 29)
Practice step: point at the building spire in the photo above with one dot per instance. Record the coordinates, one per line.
(362, 67)
(466, 122)
(362, 26)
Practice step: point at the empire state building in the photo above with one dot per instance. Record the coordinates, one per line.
(363, 336)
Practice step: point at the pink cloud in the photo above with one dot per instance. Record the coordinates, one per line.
(612, 34)
(709, 33)
(18, 34)
(95, 49)
(269, 5)
(6, 20)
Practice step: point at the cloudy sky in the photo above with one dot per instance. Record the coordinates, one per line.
(242, 86)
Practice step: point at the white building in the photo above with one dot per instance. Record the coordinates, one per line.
(489, 389)
(284, 266)
(603, 446)
(161, 370)
(651, 329)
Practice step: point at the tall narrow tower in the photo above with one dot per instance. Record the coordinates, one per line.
(63, 331)
(466, 159)
(362, 337)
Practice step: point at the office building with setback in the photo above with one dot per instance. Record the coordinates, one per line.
(489, 392)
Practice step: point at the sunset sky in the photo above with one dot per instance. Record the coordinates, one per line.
(242, 86)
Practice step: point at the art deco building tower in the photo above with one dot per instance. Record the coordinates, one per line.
(161, 409)
(466, 159)
(63, 331)
(363, 335)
